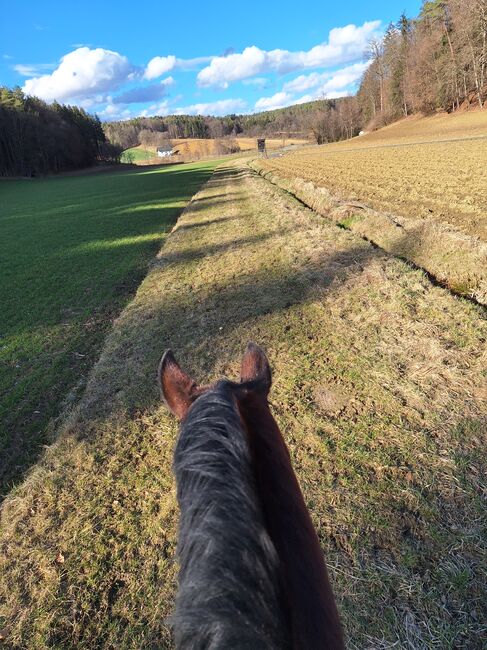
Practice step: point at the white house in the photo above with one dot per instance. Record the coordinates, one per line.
(164, 151)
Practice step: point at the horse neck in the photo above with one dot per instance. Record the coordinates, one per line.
(314, 617)
(228, 594)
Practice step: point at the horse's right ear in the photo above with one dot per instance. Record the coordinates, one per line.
(177, 388)
(255, 367)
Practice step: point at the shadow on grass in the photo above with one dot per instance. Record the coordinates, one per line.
(186, 321)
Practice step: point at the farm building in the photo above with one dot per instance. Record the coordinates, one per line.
(164, 151)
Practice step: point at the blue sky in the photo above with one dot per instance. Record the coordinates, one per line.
(124, 59)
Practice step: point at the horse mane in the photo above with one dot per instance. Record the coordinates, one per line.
(309, 598)
(229, 582)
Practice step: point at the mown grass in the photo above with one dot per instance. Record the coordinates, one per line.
(72, 251)
(379, 389)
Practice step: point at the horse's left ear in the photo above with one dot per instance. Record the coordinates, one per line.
(177, 388)
(255, 367)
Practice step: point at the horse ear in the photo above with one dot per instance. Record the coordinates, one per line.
(177, 388)
(255, 367)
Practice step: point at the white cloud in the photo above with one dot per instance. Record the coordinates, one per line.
(327, 84)
(159, 65)
(168, 81)
(192, 64)
(33, 69)
(305, 99)
(113, 112)
(82, 73)
(345, 44)
(328, 81)
(220, 107)
(279, 100)
(7, 56)
(305, 82)
(156, 109)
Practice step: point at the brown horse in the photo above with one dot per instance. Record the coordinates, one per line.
(252, 572)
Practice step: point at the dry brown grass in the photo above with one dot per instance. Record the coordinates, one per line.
(472, 124)
(250, 144)
(430, 198)
(196, 148)
(380, 391)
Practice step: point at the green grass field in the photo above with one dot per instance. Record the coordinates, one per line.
(72, 252)
(136, 154)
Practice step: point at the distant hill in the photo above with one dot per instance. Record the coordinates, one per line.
(298, 121)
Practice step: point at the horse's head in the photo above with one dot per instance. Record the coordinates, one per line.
(179, 390)
(308, 604)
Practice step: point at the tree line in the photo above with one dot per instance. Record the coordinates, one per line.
(437, 61)
(39, 138)
(293, 121)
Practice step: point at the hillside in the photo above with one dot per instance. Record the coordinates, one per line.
(189, 149)
(421, 129)
(292, 122)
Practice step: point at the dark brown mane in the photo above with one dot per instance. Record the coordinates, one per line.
(314, 616)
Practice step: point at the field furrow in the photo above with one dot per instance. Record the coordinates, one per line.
(424, 201)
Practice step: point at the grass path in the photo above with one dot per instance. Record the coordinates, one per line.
(379, 389)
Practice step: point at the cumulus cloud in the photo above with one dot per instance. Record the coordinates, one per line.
(220, 107)
(159, 65)
(305, 82)
(156, 109)
(326, 84)
(345, 44)
(82, 73)
(328, 81)
(192, 64)
(113, 112)
(279, 100)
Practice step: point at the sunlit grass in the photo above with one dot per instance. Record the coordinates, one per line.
(137, 154)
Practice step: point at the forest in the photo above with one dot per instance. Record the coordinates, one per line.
(437, 61)
(293, 120)
(38, 138)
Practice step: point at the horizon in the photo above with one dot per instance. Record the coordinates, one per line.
(99, 65)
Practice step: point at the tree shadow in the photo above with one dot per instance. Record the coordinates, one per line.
(185, 321)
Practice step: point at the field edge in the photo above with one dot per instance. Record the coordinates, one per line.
(432, 247)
